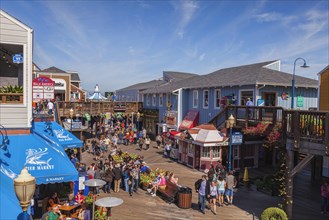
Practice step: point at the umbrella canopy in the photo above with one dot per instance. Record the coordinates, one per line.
(94, 182)
(109, 202)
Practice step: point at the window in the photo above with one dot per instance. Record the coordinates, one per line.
(154, 100)
(148, 101)
(160, 100)
(205, 98)
(244, 95)
(168, 99)
(206, 152)
(195, 98)
(217, 98)
(216, 151)
(190, 149)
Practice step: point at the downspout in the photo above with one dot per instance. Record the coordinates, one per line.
(257, 93)
(179, 93)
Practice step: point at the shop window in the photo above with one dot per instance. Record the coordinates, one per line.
(195, 98)
(217, 98)
(236, 154)
(206, 152)
(190, 149)
(148, 101)
(154, 100)
(205, 98)
(12, 74)
(216, 151)
(161, 100)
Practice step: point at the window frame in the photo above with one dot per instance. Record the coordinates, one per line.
(203, 99)
(195, 97)
(148, 100)
(215, 98)
(160, 100)
(154, 100)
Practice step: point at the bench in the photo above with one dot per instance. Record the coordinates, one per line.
(169, 192)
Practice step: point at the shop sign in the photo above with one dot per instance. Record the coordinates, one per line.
(43, 88)
(300, 101)
(237, 138)
(171, 118)
(18, 58)
(38, 159)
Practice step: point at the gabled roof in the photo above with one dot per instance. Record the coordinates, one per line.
(252, 74)
(53, 69)
(15, 20)
(177, 76)
(206, 133)
(143, 86)
(324, 70)
(75, 77)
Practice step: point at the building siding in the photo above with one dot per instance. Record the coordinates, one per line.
(324, 91)
(18, 115)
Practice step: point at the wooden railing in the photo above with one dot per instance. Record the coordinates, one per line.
(11, 98)
(310, 125)
(95, 108)
(248, 115)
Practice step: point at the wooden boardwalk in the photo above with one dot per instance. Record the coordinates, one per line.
(143, 206)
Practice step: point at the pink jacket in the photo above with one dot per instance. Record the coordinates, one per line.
(325, 191)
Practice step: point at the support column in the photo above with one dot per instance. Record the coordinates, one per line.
(289, 183)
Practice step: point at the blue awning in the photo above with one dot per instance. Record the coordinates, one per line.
(46, 162)
(56, 134)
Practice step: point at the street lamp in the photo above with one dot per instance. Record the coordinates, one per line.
(231, 121)
(138, 116)
(24, 185)
(71, 115)
(293, 81)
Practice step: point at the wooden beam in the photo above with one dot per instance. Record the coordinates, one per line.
(301, 165)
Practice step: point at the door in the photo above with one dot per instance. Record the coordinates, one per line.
(269, 98)
(197, 156)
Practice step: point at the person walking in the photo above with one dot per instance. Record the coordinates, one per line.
(251, 112)
(50, 107)
(202, 187)
(140, 143)
(147, 142)
(117, 174)
(230, 185)
(221, 190)
(325, 197)
(213, 196)
(168, 149)
(158, 139)
(108, 178)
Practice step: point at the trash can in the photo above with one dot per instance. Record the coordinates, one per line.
(184, 197)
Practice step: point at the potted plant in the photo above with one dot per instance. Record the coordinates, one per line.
(101, 213)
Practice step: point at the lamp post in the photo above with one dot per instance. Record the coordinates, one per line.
(293, 81)
(231, 121)
(138, 116)
(24, 185)
(71, 115)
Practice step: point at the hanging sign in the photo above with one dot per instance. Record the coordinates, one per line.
(237, 138)
(284, 96)
(18, 58)
(43, 88)
(300, 101)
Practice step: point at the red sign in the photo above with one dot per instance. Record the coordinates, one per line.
(43, 88)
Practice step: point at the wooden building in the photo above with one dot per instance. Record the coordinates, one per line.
(323, 89)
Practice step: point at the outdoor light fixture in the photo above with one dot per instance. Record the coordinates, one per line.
(231, 121)
(4, 56)
(293, 81)
(71, 115)
(24, 185)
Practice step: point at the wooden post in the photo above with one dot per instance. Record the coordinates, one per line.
(289, 183)
(325, 122)
(296, 131)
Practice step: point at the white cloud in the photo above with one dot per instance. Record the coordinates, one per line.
(201, 57)
(187, 9)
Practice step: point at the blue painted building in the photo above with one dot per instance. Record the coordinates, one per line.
(263, 83)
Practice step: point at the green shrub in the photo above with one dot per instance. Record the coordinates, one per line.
(274, 213)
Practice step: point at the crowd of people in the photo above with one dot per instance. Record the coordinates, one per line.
(215, 187)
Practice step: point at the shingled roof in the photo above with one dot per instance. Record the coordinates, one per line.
(53, 69)
(143, 86)
(252, 74)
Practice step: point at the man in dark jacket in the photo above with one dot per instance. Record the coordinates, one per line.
(202, 187)
(117, 174)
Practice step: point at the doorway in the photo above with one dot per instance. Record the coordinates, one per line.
(269, 98)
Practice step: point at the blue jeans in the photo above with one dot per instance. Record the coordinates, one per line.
(324, 204)
(107, 187)
(135, 184)
(126, 184)
(202, 202)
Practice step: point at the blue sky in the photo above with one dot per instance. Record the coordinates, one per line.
(120, 43)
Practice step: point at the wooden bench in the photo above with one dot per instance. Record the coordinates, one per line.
(169, 192)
